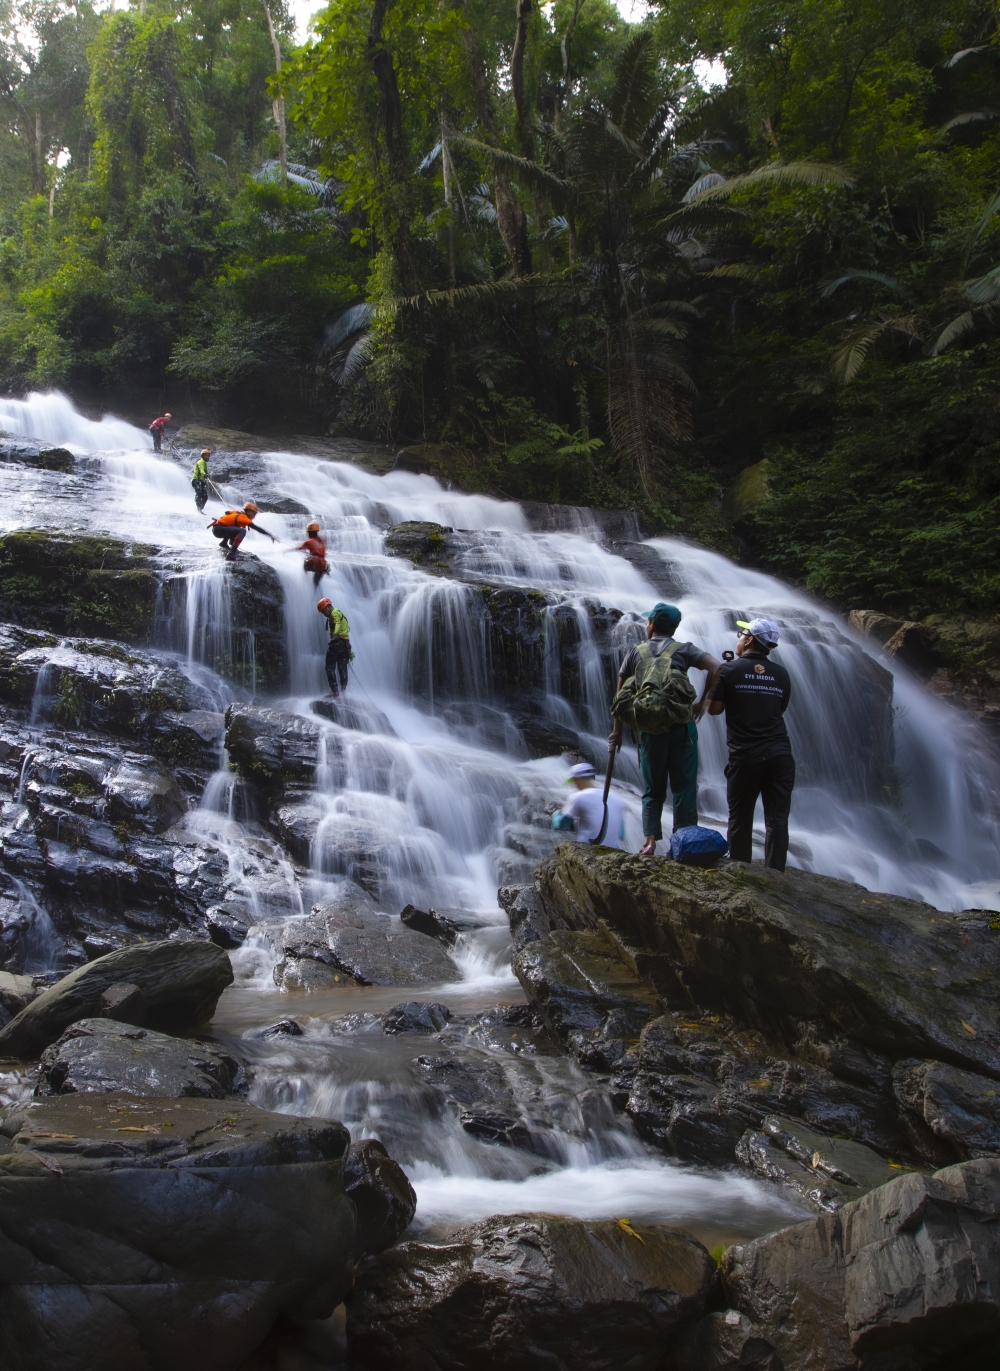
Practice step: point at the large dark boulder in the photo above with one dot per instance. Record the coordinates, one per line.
(422, 542)
(531, 1291)
(383, 1196)
(29, 452)
(150, 1234)
(785, 951)
(907, 1276)
(338, 945)
(181, 982)
(951, 1115)
(105, 1055)
(77, 583)
(271, 748)
(141, 792)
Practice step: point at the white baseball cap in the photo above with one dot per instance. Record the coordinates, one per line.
(763, 630)
(580, 772)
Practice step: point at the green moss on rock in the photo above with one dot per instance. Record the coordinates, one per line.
(77, 583)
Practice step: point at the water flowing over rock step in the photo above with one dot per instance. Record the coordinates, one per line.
(800, 1011)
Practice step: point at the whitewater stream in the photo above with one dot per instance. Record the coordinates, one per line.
(435, 771)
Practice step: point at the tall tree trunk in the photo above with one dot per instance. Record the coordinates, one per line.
(511, 218)
(524, 138)
(278, 104)
(397, 193)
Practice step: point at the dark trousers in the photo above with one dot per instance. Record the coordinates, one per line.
(673, 757)
(200, 494)
(229, 535)
(773, 781)
(337, 655)
(157, 439)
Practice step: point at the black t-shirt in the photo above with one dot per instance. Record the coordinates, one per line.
(687, 655)
(756, 692)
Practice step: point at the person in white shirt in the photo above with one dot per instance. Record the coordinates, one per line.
(586, 809)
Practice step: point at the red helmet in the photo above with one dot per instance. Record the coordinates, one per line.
(313, 527)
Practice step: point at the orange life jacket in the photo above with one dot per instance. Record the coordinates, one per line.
(234, 516)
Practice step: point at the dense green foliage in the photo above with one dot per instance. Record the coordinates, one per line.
(531, 240)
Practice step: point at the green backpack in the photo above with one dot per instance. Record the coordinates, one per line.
(657, 696)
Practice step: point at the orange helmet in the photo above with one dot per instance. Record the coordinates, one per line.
(206, 452)
(250, 508)
(324, 604)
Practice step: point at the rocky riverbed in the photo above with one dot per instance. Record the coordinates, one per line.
(319, 1052)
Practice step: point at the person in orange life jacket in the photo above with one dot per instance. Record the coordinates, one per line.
(231, 528)
(338, 653)
(156, 429)
(670, 756)
(316, 547)
(754, 693)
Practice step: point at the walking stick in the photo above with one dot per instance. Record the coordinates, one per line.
(596, 842)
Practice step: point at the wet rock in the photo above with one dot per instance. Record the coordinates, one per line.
(16, 993)
(284, 1028)
(915, 645)
(383, 1196)
(181, 983)
(528, 920)
(531, 1291)
(827, 1171)
(575, 980)
(683, 1115)
(950, 1114)
(188, 1242)
(494, 1127)
(123, 1002)
(337, 945)
(906, 1276)
(544, 737)
(782, 951)
(103, 1055)
(27, 452)
(226, 927)
(724, 1340)
(420, 541)
(295, 825)
(418, 1016)
(271, 748)
(191, 740)
(874, 624)
(431, 923)
(142, 792)
(77, 583)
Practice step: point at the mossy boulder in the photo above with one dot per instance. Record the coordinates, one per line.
(747, 493)
(77, 583)
(424, 542)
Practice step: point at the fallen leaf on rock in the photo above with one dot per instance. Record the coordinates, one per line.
(968, 1027)
(815, 1160)
(137, 1128)
(626, 1226)
(55, 1168)
(759, 1085)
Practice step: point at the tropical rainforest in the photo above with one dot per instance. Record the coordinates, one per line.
(735, 264)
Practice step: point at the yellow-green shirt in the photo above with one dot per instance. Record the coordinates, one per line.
(339, 627)
(200, 472)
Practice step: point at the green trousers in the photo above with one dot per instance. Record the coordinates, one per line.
(669, 757)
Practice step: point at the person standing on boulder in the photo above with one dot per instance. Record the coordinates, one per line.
(754, 693)
(199, 479)
(232, 527)
(338, 653)
(670, 757)
(156, 429)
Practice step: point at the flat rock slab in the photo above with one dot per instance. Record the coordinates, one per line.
(105, 1055)
(342, 946)
(531, 1291)
(780, 950)
(906, 1276)
(149, 1235)
(181, 982)
(575, 980)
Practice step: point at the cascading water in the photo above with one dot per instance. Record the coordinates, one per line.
(426, 776)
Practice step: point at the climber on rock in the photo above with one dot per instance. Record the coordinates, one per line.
(316, 547)
(231, 528)
(199, 479)
(338, 654)
(156, 429)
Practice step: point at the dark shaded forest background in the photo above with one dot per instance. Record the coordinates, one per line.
(530, 240)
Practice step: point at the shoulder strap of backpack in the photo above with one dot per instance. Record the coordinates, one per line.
(655, 666)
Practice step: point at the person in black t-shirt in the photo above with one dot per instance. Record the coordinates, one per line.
(754, 692)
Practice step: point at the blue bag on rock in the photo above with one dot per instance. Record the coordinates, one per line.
(697, 846)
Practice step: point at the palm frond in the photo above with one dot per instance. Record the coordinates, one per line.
(958, 327)
(346, 325)
(850, 357)
(526, 171)
(709, 181)
(357, 359)
(779, 174)
(853, 274)
(957, 57)
(969, 116)
(985, 289)
(477, 294)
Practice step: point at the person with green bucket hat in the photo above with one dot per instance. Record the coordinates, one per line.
(668, 756)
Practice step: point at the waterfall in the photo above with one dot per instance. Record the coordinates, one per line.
(433, 784)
